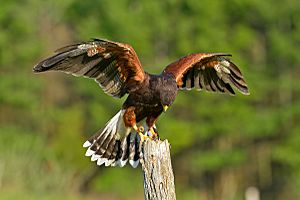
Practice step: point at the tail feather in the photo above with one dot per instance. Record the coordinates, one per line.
(105, 147)
(124, 152)
(134, 151)
(114, 153)
(114, 145)
(95, 157)
(109, 150)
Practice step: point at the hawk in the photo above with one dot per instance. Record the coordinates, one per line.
(116, 68)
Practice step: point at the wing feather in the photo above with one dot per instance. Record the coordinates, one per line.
(207, 80)
(212, 72)
(211, 80)
(196, 79)
(114, 66)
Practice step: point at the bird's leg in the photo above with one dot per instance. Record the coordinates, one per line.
(152, 129)
(154, 133)
(140, 130)
(129, 119)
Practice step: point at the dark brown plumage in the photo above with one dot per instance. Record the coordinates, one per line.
(117, 69)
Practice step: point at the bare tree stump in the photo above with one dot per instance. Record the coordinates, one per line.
(158, 173)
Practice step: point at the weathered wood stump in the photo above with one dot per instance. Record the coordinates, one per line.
(158, 173)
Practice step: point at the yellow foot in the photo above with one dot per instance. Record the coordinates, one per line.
(143, 137)
(154, 135)
(140, 130)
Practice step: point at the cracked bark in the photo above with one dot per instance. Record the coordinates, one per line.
(157, 169)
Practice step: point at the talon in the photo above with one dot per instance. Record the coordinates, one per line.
(143, 137)
(141, 129)
(154, 133)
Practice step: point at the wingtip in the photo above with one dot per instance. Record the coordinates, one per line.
(247, 93)
(99, 40)
(244, 90)
(37, 68)
(222, 54)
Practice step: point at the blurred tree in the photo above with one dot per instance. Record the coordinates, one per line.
(221, 145)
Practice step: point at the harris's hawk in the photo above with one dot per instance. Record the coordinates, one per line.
(118, 71)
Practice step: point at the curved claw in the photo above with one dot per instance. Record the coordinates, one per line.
(140, 130)
(154, 133)
(144, 137)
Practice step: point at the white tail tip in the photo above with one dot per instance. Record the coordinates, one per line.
(95, 157)
(133, 163)
(87, 144)
(89, 152)
(101, 161)
(108, 163)
(123, 163)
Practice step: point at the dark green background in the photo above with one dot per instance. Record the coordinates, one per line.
(221, 145)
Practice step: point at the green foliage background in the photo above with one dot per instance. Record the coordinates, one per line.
(221, 145)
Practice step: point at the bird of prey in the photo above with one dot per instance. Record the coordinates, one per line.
(116, 68)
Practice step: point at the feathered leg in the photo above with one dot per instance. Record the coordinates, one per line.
(150, 121)
(129, 118)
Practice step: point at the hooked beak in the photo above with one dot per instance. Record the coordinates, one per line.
(165, 107)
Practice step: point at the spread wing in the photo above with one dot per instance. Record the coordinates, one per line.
(115, 66)
(212, 72)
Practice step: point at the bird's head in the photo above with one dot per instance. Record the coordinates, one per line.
(167, 95)
(166, 99)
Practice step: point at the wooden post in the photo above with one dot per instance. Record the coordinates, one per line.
(158, 173)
